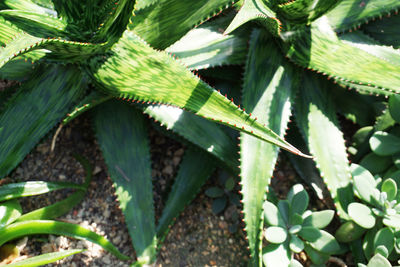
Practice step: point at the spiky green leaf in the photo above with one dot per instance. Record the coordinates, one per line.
(159, 78)
(44, 91)
(122, 135)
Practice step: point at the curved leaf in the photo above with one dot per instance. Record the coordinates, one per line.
(165, 22)
(45, 258)
(9, 212)
(269, 84)
(20, 229)
(349, 14)
(122, 135)
(44, 91)
(156, 77)
(316, 111)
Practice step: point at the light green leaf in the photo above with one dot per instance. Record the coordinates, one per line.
(45, 258)
(9, 212)
(362, 215)
(275, 234)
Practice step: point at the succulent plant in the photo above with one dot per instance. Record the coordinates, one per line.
(291, 228)
(14, 224)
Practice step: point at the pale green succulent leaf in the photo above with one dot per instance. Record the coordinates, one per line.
(392, 220)
(362, 215)
(389, 186)
(319, 219)
(316, 257)
(114, 122)
(375, 163)
(364, 183)
(274, 253)
(384, 237)
(275, 234)
(378, 260)
(394, 107)
(320, 240)
(384, 144)
(169, 82)
(298, 199)
(296, 244)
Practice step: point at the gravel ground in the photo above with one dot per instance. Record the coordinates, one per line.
(198, 237)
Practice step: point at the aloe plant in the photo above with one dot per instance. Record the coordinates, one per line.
(109, 53)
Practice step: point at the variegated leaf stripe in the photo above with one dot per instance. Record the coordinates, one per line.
(203, 133)
(38, 6)
(122, 134)
(258, 11)
(316, 117)
(135, 72)
(321, 50)
(193, 172)
(24, 42)
(43, 110)
(165, 22)
(350, 14)
(269, 83)
(206, 46)
(141, 4)
(305, 9)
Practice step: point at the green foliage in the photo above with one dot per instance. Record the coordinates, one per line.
(85, 54)
(14, 224)
(291, 228)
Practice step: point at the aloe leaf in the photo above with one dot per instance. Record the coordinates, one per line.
(205, 46)
(394, 107)
(25, 189)
(379, 260)
(316, 111)
(45, 258)
(42, 6)
(258, 11)
(194, 170)
(140, 4)
(349, 14)
(203, 133)
(315, 52)
(93, 99)
(369, 45)
(165, 22)
(36, 24)
(16, 230)
(130, 169)
(170, 83)
(303, 10)
(319, 219)
(9, 212)
(43, 91)
(385, 30)
(384, 237)
(267, 96)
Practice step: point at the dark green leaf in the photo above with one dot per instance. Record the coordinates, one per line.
(219, 204)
